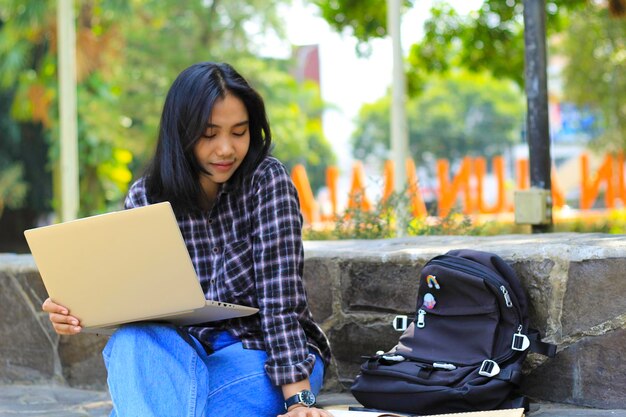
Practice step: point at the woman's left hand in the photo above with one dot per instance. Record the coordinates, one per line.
(306, 412)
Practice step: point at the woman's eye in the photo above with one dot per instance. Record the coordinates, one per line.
(240, 133)
(209, 135)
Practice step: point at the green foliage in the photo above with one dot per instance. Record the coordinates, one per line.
(370, 138)
(13, 188)
(128, 54)
(215, 31)
(366, 19)
(463, 114)
(596, 43)
(388, 219)
(295, 113)
(31, 68)
(380, 223)
(491, 39)
(613, 223)
(454, 223)
(383, 222)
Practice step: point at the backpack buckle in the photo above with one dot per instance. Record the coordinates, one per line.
(489, 368)
(520, 342)
(400, 323)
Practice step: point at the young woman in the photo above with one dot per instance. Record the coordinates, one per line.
(239, 214)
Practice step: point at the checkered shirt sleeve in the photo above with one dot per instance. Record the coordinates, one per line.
(278, 266)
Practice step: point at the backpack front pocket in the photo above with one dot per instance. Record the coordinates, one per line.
(464, 333)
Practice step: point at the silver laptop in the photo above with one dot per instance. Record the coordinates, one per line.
(122, 267)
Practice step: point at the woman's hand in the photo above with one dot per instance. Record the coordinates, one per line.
(60, 317)
(306, 412)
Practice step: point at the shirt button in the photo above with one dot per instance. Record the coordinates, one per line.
(210, 221)
(212, 280)
(216, 250)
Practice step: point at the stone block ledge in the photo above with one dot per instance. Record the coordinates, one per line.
(575, 284)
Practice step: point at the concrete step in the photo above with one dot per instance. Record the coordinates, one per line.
(60, 401)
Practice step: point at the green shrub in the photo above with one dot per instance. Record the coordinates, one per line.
(388, 219)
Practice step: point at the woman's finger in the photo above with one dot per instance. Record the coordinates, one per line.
(307, 412)
(66, 329)
(63, 324)
(50, 306)
(56, 318)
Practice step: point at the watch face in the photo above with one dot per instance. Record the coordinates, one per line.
(307, 398)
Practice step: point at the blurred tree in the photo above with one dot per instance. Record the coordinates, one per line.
(12, 185)
(462, 114)
(295, 113)
(596, 44)
(366, 19)
(492, 39)
(489, 39)
(128, 53)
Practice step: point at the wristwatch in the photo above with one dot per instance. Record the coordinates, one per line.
(304, 397)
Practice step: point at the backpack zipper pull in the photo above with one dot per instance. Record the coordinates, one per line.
(507, 297)
(520, 341)
(421, 315)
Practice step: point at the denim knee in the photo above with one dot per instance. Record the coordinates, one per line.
(134, 335)
(154, 371)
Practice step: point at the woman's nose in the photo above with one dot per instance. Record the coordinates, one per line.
(224, 147)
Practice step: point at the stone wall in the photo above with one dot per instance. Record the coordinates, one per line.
(575, 283)
(30, 351)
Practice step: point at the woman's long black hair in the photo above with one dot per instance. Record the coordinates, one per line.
(174, 173)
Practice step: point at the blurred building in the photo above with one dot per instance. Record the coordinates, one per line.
(307, 67)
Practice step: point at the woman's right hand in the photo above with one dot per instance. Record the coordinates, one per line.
(60, 317)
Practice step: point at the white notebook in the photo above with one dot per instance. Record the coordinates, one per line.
(515, 412)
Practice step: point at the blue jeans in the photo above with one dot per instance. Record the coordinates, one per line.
(154, 371)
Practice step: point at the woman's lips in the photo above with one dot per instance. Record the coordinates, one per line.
(223, 166)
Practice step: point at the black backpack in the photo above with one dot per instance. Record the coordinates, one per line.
(465, 347)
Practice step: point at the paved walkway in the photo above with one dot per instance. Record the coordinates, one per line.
(55, 401)
(52, 401)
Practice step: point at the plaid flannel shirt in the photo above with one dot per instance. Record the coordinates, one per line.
(248, 250)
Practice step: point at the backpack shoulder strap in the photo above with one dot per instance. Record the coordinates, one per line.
(538, 346)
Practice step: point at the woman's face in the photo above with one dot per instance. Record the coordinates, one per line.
(224, 144)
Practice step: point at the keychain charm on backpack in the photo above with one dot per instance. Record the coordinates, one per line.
(429, 301)
(431, 280)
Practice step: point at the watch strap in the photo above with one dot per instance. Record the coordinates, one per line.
(301, 398)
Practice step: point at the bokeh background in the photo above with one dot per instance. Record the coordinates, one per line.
(324, 68)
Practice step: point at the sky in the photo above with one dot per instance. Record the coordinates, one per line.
(347, 81)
